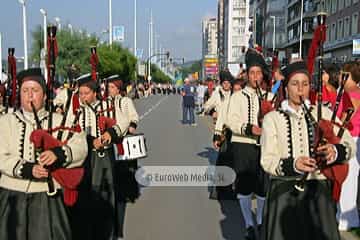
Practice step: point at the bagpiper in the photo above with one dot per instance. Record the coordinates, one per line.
(31, 201)
(305, 157)
(93, 217)
(246, 110)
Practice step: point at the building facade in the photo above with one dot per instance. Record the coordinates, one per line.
(210, 37)
(234, 31)
(293, 21)
(274, 11)
(221, 33)
(343, 26)
(209, 44)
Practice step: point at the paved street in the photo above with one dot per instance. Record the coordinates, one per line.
(182, 212)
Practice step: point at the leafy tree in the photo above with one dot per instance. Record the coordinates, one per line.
(116, 60)
(74, 48)
(158, 76)
(195, 67)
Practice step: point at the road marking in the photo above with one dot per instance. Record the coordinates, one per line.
(152, 108)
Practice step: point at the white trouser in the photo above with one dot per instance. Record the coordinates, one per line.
(347, 210)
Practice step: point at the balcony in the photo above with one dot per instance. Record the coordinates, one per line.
(328, 46)
(306, 36)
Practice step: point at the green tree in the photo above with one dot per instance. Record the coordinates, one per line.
(195, 67)
(116, 60)
(74, 48)
(158, 76)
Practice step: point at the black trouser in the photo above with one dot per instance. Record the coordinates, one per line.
(250, 177)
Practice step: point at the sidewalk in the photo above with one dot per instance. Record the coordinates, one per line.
(348, 236)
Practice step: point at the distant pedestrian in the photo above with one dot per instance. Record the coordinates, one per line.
(188, 94)
(200, 93)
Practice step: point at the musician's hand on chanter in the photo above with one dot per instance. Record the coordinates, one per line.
(47, 158)
(132, 130)
(59, 110)
(97, 143)
(106, 138)
(305, 164)
(256, 130)
(39, 172)
(216, 145)
(328, 153)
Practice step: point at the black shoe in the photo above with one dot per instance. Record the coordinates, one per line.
(250, 233)
(259, 227)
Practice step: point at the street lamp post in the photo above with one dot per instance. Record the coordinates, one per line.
(43, 56)
(110, 23)
(58, 22)
(301, 27)
(274, 21)
(135, 45)
(22, 2)
(1, 74)
(70, 28)
(150, 46)
(148, 61)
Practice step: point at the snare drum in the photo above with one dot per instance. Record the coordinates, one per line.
(134, 147)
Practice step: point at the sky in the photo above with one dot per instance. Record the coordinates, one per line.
(177, 22)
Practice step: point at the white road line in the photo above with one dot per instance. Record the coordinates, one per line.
(153, 107)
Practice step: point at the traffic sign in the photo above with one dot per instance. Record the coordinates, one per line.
(141, 70)
(119, 33)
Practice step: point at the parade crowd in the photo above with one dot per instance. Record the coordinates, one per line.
(294, 149)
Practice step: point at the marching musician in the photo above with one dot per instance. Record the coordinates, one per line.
(93, 217)
(288, 152)
(222, 134)
(2, 98)
(349, 216)
(127, 188)
(27, 212)
(244, 120)
(330, 78)
(212, 105)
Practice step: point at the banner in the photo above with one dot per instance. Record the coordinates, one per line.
(356, 47)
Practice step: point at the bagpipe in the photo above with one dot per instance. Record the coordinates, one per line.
(52, 52)
(324, 129)
(324, 134)
(266, 106)
(10, 97)
(94, 62)
(340, 94)
(68, 178)
(103, 121)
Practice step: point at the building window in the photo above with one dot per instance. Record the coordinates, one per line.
(236, 4)
(333, 32)
(333, 6)
(347, 3)
(341, 4)
(328, 6)
(290, 35)
(328, 33)
(354, 24)
(236, 40)
(340, 30)
(347, 27)
(236, 52)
